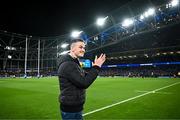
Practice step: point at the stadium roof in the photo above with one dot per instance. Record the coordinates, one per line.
(50, 18)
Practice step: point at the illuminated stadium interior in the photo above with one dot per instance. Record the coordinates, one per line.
(140, 78)
(150, 34)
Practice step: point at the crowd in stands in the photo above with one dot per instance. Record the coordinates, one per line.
(148, 71)
(20, 73)
(143, 71)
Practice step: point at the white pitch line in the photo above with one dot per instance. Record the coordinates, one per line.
(167, 93)
(128, 99)
(142, 91)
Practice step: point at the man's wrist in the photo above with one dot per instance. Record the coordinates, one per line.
(96, 67)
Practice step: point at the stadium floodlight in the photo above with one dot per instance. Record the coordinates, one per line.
(149, 12)
(146, 14)
(174, 3)
(141, 17)
(10, 48)
(101, 21)
(76, 33)
(64, 45)
(9, 56)
(127, 22)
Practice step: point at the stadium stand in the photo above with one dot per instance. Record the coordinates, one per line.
(152, 38)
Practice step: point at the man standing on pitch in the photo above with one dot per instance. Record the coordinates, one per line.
(74, 80)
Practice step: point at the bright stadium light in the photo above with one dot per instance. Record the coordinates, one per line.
(146, 14)
(64, 45)
(149, 12)
(174, 3)
(101, 21)
(10, 48)
(127, 22)
(9, 56)
(141, 17)
(76, 33)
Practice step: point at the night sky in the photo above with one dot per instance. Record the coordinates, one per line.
(55, 17)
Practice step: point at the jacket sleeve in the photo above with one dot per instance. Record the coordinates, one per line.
(75, 75)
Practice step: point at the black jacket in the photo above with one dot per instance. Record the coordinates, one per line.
(73, 81)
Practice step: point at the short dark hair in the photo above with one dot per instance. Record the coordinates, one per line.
(76, 40)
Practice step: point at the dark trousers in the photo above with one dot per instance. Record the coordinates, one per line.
(71, 116)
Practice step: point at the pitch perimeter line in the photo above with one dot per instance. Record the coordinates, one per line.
(128, 99)
(167, 93)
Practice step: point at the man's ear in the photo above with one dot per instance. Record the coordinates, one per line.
(73, 49)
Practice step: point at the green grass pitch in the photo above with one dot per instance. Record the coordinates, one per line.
(34, 98)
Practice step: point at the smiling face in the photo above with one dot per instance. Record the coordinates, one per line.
(78, 49)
